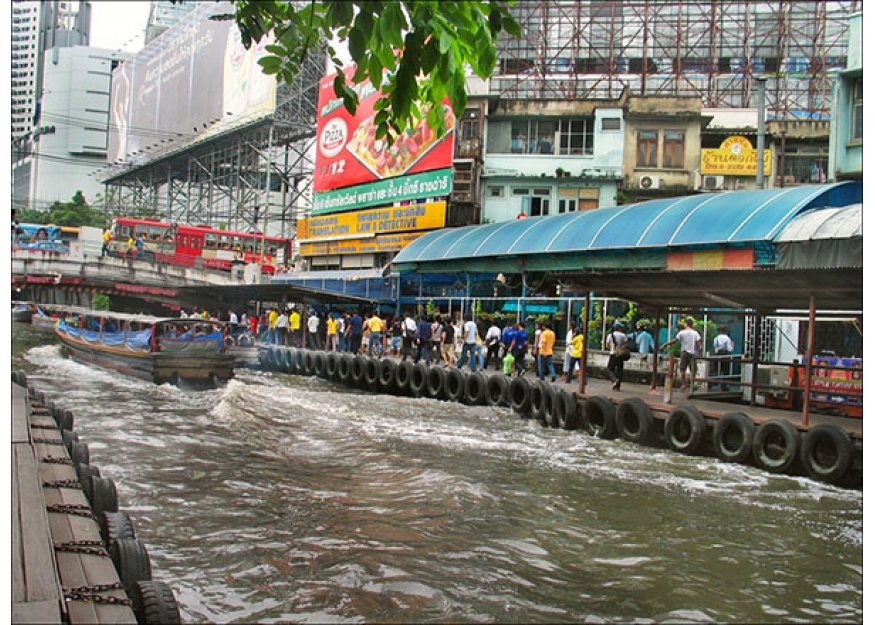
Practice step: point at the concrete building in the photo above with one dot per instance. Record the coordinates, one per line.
(846, 136)
(163, 14)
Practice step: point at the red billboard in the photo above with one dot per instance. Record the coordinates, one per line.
(348, 152)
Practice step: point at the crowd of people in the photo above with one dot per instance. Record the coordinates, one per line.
(444, 340)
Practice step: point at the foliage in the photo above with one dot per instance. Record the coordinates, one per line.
(74, 213)
(416, 52)
(430, 309)
(100, 301)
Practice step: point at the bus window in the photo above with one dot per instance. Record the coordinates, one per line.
(223, 243)
(210, 241)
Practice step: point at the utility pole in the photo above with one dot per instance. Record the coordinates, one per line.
(761, 131)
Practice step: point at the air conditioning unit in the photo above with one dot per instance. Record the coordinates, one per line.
(712, 183)
(648, 182)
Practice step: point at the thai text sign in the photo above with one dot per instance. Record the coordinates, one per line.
(349, 153)
(735, 157)
(376, 221)
(427, 184)
(385, 243)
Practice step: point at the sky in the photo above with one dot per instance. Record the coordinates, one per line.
(119, 25)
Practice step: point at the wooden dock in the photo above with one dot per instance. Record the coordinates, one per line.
(61, 572)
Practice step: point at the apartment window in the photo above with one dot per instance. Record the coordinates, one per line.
(673, 150)
(646, 148)
(857, 116)
(575, 136)
(496, 191)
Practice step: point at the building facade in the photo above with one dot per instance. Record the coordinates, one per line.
(846, 136)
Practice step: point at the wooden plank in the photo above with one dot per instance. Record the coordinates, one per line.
(19, 414)
(36, 612)
(18, 579)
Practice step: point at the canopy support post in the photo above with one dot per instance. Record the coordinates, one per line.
(809, 354)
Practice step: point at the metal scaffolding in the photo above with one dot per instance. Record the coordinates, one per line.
(249, 174)
(714, 49)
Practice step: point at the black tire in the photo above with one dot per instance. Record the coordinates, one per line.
(519, 395)
(497, 390)
(319, 364)
(568, 415)
(245, 340)
(435, 382)
(104, 495)
(86, 474)
(357, 371)
(548, 406)
(827, 453)
(154, 603)
(344, 369)
(69, 438)
(776, 445)
(310, 363)
(536, 393)
(131, 562)
(454, 384)
(64, 419)
(418, 378)
(79, 453)
(634, 420)
(403, 372)
(372, 373)
(599, 417)
(684, 429)
(733, 437)
(475, 389)
(115, 526)
(386, 377)
(264, 358)
(286, 360)
(331, 366)
(300, 361)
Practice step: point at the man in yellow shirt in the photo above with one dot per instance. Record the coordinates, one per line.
(375, 343)
(106, 239)
(576, 348)
(331, 325)
(295, 327)
(545, 352)
(271, 325)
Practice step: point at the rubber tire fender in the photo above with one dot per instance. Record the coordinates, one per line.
(344, 369)
(386, 377)
(568, 416)
(357, 371)
(536, 395)
(372, 373)
(454, 385)
(599, 417)
(733, 437)
(154, 603)
(519, 396)
(497, 390)
(115, 526)
(69, 437)
(475, 389)
(287, 359)
(319, 364)
(403, 373)
(418, 378)
(300, 360)
(104, 495)
(310, 362)
(64, 419)
(331, 366)
(827, 453)
(79, 453)
(776, 445)
(634, 420)
(435, 383)
(131, 560)
(264, 358)
(549, 410)
(86, 474)
(684, 429)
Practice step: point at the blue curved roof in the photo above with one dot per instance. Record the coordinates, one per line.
(714, 219)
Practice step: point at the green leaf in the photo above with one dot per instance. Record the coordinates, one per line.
(270, 64)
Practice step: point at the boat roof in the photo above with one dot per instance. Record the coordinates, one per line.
(139, 318)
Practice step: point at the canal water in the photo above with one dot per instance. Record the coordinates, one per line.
(291, 499)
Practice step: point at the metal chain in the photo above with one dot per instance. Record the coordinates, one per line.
(90, 593)
(83, 546)
(72, 508)
(63, 484)
(57, 460)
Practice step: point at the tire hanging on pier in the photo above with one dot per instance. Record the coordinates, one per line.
(403, 372)
(115, 526)
(454, 386)
(331, 366)
(733, 437)
(536, 397)
(475, 389)
(776, 445)
(497, 390)
(435, 382)
(357, 371)
(827, 453)
(131, 562)
(154, 603)
(372, 373)
(634, 420)
(520, 397)
(104, 495)
(319, 364)
(549, 409)
(344, 369)
(599, 417)
(684, 429)
(418, 378)
(386, 376)
(567, 415)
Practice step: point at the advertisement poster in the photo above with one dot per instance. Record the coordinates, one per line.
(736, 156)
(348, 152)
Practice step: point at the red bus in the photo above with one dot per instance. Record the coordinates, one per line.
(198, 246)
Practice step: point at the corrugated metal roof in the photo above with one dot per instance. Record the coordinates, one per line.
(716, 219)
(825, 223)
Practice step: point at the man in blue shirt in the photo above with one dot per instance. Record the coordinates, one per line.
(519, 346)
(355, 333)
(423, 339)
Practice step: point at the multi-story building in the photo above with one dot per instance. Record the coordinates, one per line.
(846, 136)
(165, 13)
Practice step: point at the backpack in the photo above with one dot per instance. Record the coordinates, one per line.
(626, 349)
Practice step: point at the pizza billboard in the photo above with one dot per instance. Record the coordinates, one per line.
(348, 152)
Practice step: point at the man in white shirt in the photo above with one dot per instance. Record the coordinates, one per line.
(469, 346)
(493, 345)
(313, 331)
(690, 341)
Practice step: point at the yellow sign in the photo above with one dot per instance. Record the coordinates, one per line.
(373, 221)
(386, 243)
(735, 157)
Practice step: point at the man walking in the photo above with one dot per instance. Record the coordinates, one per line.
(690, 341)
(545, 353)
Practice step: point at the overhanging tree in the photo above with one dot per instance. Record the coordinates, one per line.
(416, 52)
